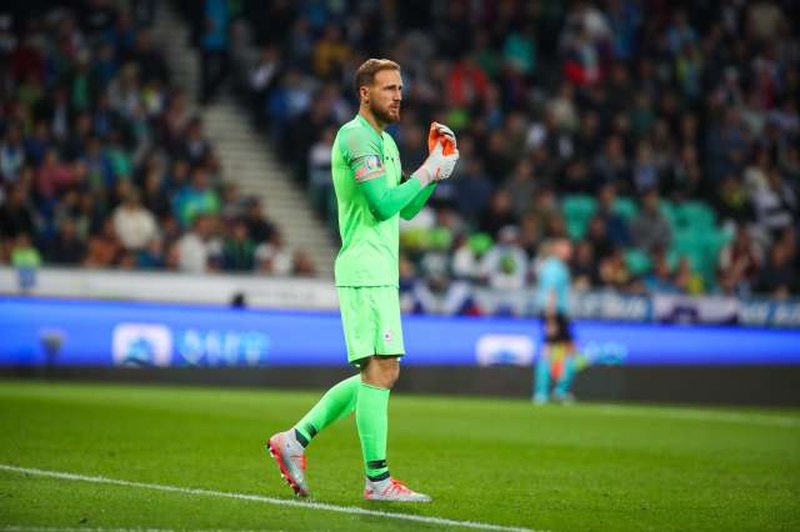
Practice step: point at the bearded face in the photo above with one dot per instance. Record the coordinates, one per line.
(383, 97)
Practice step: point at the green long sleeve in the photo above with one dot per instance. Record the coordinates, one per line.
(413, 208)
(385, 202)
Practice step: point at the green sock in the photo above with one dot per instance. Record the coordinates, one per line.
(372, 420)
(338, 402)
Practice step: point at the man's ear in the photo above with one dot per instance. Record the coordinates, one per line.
(363, 90)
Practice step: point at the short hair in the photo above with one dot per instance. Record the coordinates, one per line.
(365, 75)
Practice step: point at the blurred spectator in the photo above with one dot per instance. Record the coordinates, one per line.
(597, 234)
(498, 214)
(467, 83)
(687, 280)
(262, 78)
(660, 279)
(776, 203)
(100, 170)
(473, 189)
(148, 59)
(193, 248)
(259, 228)
(238, 252)
(152, 256)
(37, 143)
(66, 247)
(740, 262)
(134, 224)
(582, 66)
(214, 45)
(778, 277)
(530, 234)
(196, 198)
(614, 272)
(26, 259)
(733, 203)
(645, 172)
(505, 266)
(16, 214)
(438, 293)
(545, 205)
(469, 252)
(611, 166)
(650, 229)
(12, 155)
(331, 53)
(272, 257)
(154, 195)
(195, 147)
(585, 272)
(319, 180)
(615, 224)
(103, 248)
(577, 179)
(521, 187)
(54, 176)
(302, 265)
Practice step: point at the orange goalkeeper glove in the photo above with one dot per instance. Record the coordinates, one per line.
(441, 133)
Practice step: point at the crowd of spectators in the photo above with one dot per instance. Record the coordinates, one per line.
(662, 138)
(676, 123)
(104, 162)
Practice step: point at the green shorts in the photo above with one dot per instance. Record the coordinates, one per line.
(371, 321)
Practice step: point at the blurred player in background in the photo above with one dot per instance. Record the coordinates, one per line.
(557, 358)
(371, 196)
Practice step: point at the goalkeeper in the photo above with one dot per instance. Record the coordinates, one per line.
(371, 198)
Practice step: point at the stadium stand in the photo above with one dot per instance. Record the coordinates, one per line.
(661, 138)
(668, 132)
(105, 163)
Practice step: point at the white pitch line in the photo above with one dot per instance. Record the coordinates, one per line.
(88, 529)
(101, 529)
(260, 498)
(700, 415)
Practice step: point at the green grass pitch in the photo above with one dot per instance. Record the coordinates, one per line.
(500, 462)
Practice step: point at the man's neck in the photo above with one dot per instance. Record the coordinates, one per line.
(367, 115)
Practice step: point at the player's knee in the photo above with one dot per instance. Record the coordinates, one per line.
(392, 374)
(382, 372)
(388, 374)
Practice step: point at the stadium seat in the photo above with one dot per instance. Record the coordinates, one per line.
(577, 211)
(670, 213)
(638, 261)
(702, 248)
(626, 208)
(695, 215)
(578, 206)
(576, 228)
(688, 243)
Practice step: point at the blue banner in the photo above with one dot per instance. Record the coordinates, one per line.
(105, 333)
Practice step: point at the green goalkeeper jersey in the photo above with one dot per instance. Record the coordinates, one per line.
(370, 246)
